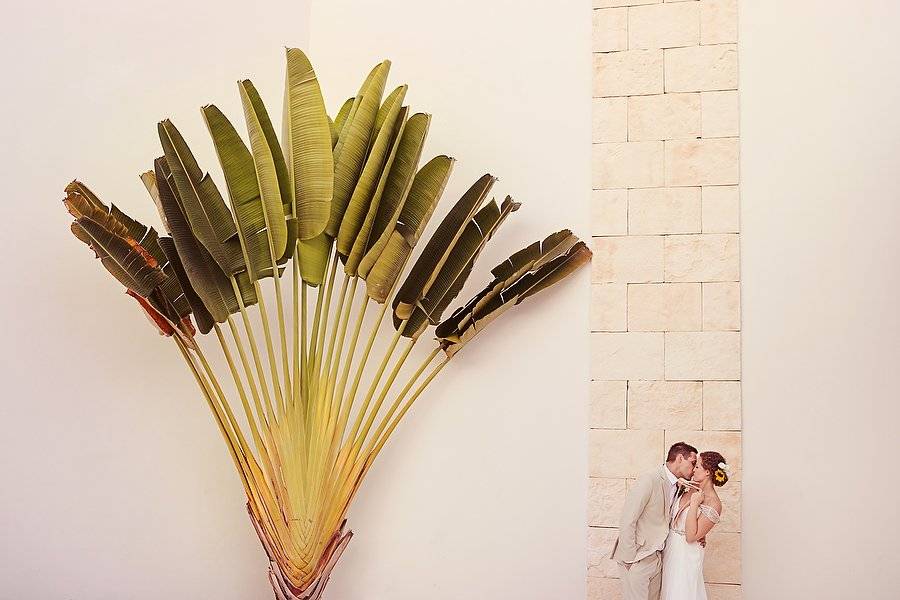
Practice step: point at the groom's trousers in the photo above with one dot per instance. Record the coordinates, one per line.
(643, 579)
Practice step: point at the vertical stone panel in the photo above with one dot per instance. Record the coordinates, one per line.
(666, 291)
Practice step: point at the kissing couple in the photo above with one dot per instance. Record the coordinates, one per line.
(663, 526)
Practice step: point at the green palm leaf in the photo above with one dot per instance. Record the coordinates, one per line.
(206, 277)
(202, 317)
(350, 151)
(340, 119)
(458, 266)
(400, 180)
(427, 188)
(532, 269)
(271, 170)
(367, 194)
(243, 192)
(438, 249)
(307, 145)
(202, 204)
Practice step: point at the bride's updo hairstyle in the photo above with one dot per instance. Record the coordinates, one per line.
(715, 464)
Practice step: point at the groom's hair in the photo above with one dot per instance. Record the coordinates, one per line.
(682, 448)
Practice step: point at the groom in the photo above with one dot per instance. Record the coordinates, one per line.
(644, 524)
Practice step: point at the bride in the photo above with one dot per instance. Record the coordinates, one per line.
(696, 512)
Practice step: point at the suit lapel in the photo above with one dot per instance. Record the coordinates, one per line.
(667, 494)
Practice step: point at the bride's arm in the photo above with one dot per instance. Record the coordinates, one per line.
(696, 525)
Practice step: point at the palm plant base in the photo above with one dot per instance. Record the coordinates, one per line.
(280, 584)
(336, 191)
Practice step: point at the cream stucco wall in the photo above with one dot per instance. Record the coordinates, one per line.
(820, 85)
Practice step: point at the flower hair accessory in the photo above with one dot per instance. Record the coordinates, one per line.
(720, 475)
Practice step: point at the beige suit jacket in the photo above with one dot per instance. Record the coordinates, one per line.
(644, 524)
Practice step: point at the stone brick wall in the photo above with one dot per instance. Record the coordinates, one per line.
(665, 293)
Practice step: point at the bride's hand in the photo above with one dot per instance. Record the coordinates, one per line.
(697, 498)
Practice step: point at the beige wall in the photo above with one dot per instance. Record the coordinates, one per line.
(665, 294)
(820, 90)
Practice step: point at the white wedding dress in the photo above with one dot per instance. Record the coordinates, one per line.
(682, 572)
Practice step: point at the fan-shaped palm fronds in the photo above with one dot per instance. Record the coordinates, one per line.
(348, 190)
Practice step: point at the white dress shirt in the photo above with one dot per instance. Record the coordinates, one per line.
(673, 489)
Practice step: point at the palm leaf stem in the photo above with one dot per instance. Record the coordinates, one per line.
(254, 349)
(248, 411)
(270, 348)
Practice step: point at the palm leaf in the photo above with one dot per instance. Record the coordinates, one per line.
(308, 146)
(427, 188)
(458, 266)
(350, 151)
(271, 170)
(367, 194)
(438, 249)
(400, 180)
(340, 119)
(314, 255)
(532, 269)
(204, 274)
(120, 256)
(202, 316)
(202, 204)
(243, 192)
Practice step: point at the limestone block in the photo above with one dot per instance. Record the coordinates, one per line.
(722, 405)
(704, 257)
(664, 210)
(721, 591)
(722, 306)
(703, 355)
(628, 165)
(632, 355)
(621, 453)
(603, 588)
(609, 212)
(665, 404)
(718, 21)
(719, 114)
(726, 443)
(721, 209)
(730, 495)
(608, 404)
(600, 544)
(610, 120)
(664, 25)
(664, 307)
(627, 259)
(701, 162)
(664, 117)
(701, 68)
(608, 307)
(614, 3)
(610, 29)
(629, 73)
(722, 563)
(605, 496)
